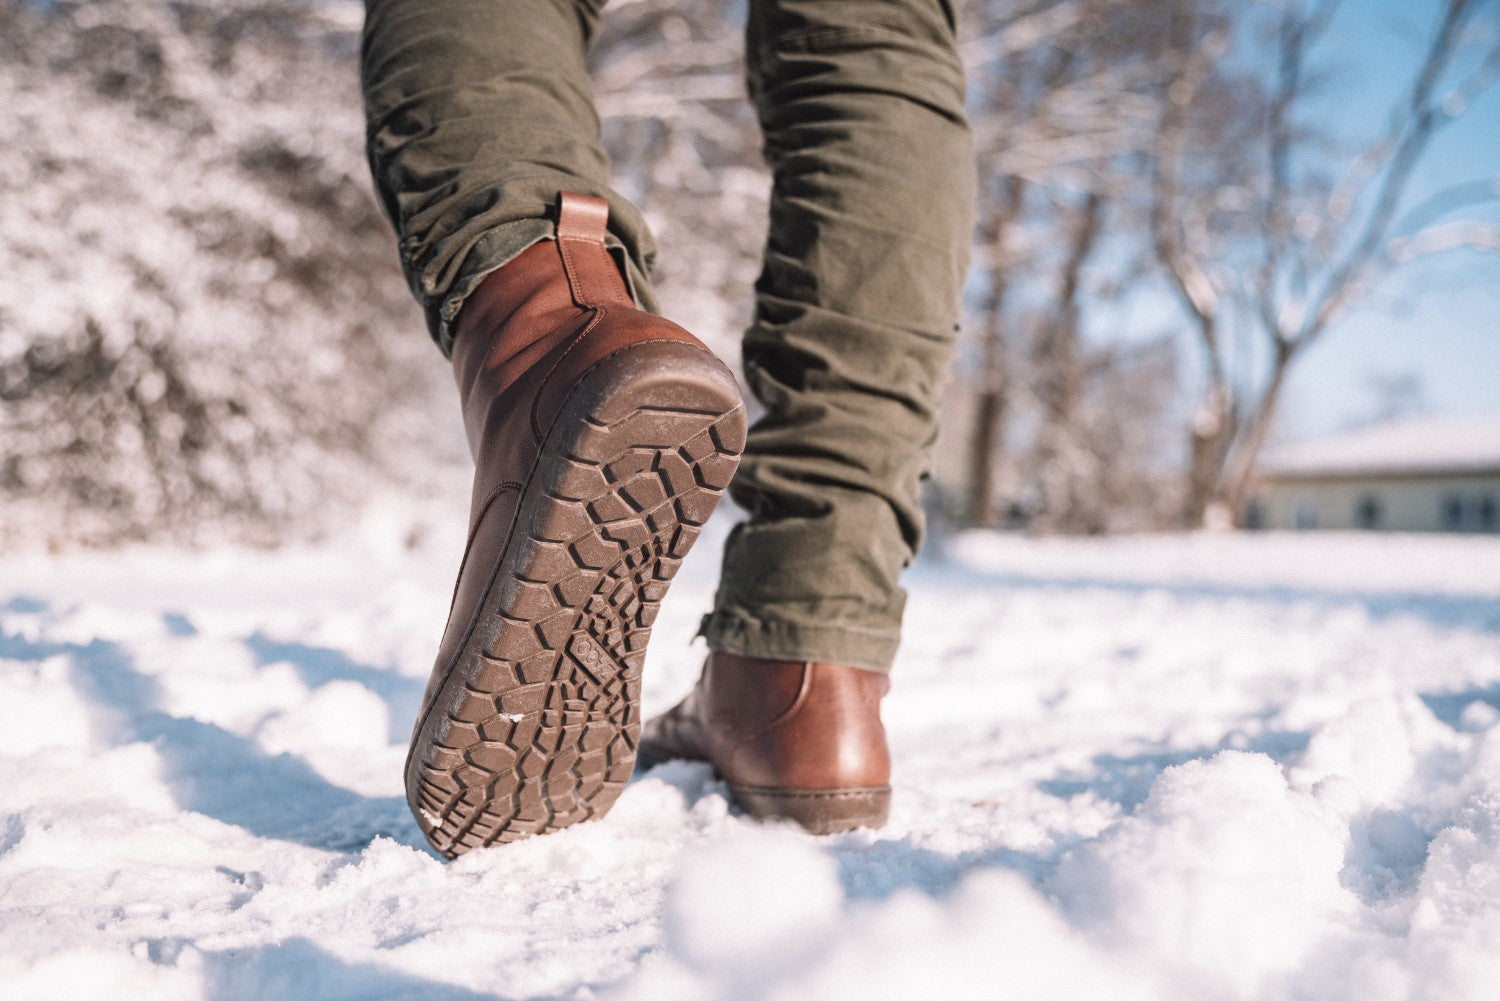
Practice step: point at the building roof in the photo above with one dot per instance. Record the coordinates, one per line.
(1415, 446)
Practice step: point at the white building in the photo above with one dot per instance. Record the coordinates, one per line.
(1422, 474)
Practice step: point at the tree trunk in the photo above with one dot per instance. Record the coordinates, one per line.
(984, 449)
(1209, 438)
(1242, 473)
(987, 436)
(1069, 501)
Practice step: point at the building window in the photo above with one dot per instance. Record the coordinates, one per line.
(1367, 512)
(1485, 512)
(1453, 512)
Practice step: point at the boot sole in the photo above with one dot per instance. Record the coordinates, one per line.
(820, 811)
(535, 726)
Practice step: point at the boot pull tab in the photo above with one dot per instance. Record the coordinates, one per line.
(593, 277)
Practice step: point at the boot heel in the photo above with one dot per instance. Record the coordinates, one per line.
(821, 811)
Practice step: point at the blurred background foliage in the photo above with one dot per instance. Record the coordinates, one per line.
(203, 334)
(202, 330)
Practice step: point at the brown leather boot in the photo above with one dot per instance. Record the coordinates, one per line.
(796, 740)
(602, 437)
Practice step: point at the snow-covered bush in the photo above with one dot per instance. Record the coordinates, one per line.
(203, 331)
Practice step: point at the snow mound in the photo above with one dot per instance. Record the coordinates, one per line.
(1224, 871)
(735, 902)
(763, 916)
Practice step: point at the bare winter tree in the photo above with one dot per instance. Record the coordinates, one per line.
(1064, 113)
(1067, 464)
(1260, 236)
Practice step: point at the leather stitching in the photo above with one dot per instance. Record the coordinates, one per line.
(541, 389)
(574, 274)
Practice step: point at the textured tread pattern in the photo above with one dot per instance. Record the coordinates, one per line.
(543, 732)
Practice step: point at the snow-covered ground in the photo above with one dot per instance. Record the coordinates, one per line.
(1194, 767)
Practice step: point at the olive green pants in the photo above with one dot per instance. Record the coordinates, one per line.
(480, 111)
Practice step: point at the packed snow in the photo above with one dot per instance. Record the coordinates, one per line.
(1184, 767)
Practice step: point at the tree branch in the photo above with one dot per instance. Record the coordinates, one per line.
(1423, 119)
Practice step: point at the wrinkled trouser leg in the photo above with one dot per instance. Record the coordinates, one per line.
(479, 112)
(862, 107)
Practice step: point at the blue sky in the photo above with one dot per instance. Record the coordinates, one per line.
(1439, 319)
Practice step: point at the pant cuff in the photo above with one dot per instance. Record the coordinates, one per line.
(730, 632)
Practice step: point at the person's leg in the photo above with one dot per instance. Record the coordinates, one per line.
(602, 434)
(478, 113)
(862, 107)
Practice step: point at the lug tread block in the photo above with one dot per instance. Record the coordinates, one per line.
(551, 561)
(442, 761)
(531, 765)
(544, 733)
(573, 591)
(629, 465)
(695, 508)
(460, 734)
(531, 601)
(593, 439)
(495, 758)
(497, 730)
(699, 447)
(471, 778)
(495, 675)
(563, 521)
(728, 436)
(596, 740)
(675, 473)
(580, 480)
(715, 471)
(516, 642)
(474, 707)
(539, 667)
(611, 507)
(593, 552)
(524, 699)
(629, 533)
(683, 541)
(553, 632)
(440, 785)
(644, 494)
